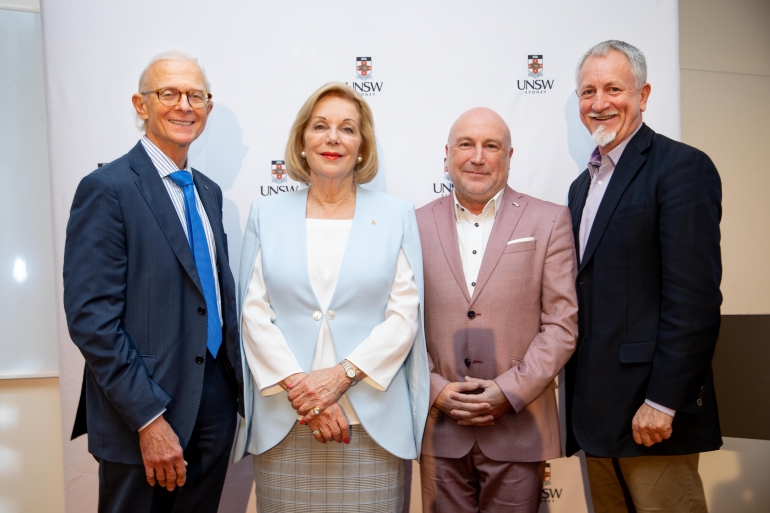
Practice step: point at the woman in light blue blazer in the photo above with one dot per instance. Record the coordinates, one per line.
(331, 290)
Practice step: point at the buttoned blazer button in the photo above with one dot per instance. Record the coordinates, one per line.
(199, 359)
(702, 389)
(201, 310)
(330, 314)
(471, 315)
(699, 402)
(467, 362)
(317, 315)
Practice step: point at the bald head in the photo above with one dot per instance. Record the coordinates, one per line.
(478, 157)
(479, 118)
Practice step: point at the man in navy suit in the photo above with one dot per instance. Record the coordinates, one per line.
(150, 302)
(645, 214)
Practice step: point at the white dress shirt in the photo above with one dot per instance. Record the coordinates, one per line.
(379, 356)
(601, 170)
(473, 234)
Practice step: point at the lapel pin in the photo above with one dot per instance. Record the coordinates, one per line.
(374, 222)
(207, 187)
(516, 204)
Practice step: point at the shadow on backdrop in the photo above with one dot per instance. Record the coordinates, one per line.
(219, 153)
(579, 142)
(380, 183)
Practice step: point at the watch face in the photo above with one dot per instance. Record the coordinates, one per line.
(351, 373)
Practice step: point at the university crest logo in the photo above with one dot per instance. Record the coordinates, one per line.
(547, 475)
(535, 65)
(278, 170)
(364, 68)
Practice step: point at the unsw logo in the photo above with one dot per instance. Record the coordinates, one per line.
(444, 188)
(278, 177)
(549, 494)
(365, 85)
(535, 67)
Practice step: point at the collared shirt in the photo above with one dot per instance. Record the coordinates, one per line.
(601, 169)
(473, 234)
(165, 167)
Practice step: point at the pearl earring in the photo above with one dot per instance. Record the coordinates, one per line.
(302, 154)
(360, 159)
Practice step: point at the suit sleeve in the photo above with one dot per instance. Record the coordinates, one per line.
(690, 196)
(550, 350)
(95, 266)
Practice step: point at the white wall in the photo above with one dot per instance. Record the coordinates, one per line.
(725, 84)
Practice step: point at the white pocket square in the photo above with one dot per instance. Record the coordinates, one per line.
(524, 239)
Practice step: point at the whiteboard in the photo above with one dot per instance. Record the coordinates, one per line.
(28, 346)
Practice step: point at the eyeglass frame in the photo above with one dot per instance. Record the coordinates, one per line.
(157, 92)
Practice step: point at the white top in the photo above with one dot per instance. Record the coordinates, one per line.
(380, 355)
(473, 234)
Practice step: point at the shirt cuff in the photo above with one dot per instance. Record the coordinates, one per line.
(153, 419)
(660, 407)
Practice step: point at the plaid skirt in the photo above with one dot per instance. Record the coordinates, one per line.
(302, 475)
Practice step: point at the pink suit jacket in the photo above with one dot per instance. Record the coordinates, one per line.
(519, 328)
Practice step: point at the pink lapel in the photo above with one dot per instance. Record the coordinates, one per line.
(505, 222)
(446, 227)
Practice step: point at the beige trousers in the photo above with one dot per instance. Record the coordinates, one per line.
(660, 484)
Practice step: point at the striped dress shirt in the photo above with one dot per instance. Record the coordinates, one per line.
(165, 167)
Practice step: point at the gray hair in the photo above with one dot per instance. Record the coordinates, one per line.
(172, 56)
(167, 56)
(633, 54)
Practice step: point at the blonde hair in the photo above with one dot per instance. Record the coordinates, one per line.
(297, 167)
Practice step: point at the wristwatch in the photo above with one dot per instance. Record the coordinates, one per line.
(350, 372)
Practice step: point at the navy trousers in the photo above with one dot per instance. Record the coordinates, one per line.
(124, 489)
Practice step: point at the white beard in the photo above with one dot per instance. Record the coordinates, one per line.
(603, 138)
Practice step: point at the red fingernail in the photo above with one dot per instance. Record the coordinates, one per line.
(301, 421)
(347, 441)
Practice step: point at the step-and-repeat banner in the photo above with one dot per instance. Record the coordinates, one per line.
(419, 64)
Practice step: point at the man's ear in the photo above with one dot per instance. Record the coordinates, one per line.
(140, 106)
(646, 89)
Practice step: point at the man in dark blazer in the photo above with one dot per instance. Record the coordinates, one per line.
(645, 214)
(150, 302)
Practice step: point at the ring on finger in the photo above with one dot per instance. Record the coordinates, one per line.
(316, 432)
(317, 410)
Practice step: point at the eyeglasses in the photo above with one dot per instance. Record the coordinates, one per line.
(170, 97)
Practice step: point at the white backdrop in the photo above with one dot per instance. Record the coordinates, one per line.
(431, 60)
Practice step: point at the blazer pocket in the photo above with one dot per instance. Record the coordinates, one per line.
(527, 245)
(149, 362)
(637, 351)
(633, 210)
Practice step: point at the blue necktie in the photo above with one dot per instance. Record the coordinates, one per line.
(200, 250)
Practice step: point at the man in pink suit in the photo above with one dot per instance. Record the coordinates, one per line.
(500, 323)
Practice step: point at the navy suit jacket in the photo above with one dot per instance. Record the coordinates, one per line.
(649, 300)
(135, 306)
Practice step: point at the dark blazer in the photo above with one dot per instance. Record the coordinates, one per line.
(648, 301)
(133, 301)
